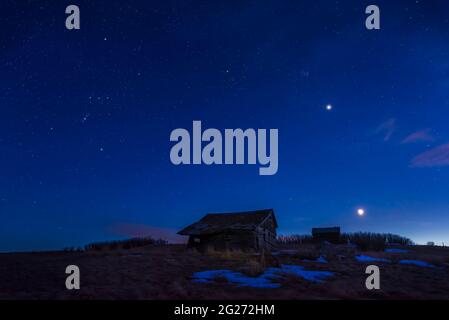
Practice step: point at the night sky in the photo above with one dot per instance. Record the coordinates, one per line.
(86, 116)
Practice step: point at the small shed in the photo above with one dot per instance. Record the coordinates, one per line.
(243, 231)
(326, 234)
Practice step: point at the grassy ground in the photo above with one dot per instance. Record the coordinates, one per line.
(165, 272)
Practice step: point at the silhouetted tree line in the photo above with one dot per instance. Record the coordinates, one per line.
(363, 240)
(124, 244)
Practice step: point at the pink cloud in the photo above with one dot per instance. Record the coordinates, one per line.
(436, 157)
(419, 136)
(387, 128)
(140, 230)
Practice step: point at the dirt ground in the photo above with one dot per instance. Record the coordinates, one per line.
(165, 272)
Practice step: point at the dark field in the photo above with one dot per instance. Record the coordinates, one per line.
(165, 272)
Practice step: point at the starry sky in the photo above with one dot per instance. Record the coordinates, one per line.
(86, 116)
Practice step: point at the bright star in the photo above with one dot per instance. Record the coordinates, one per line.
(329, 107)
(361, 212)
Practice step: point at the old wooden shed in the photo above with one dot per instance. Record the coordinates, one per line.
(243, 231)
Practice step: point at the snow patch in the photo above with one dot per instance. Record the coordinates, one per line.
(320, 259)
(265, 280)
(262, 281)
(311, 275)
(363, 258)
(417, 263)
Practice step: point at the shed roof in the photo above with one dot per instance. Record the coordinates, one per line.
(219, 222)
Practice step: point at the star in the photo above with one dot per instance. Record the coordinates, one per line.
(85, 118)
(329, 107)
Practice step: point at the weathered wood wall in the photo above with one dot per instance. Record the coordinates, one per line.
(263, 238)
(231, 241)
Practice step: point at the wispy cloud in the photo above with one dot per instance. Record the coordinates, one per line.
(386, 128)
(141, 230)
(436, 157)
(419, 136)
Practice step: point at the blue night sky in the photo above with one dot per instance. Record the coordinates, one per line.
(86, 116)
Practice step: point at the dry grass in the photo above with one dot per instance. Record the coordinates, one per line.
(250, 263)
(165, 273)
